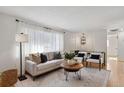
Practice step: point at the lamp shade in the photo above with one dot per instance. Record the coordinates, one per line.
(22, 38)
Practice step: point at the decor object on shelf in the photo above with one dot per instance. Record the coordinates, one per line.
(8, 78)
(21, 38)
(83, 39)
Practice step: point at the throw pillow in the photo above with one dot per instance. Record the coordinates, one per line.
(80, 55)
(36, 59)
(57, 55)
(51, 55)
(30, 55)
(43, 58)
(76, 52)
(95, 56)
(46, 54)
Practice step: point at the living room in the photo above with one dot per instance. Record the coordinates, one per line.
(55, 34)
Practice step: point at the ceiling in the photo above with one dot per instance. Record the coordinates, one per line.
(71, 18)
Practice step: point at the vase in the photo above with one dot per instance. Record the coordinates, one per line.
(71, 62)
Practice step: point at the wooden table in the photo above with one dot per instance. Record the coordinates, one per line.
(72, 68)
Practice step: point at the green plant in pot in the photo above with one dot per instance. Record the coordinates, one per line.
(69, 58)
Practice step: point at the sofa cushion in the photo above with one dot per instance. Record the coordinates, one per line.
(93, 60)
(79, 59)
(44, 66)
(49, 64)
(58, 61)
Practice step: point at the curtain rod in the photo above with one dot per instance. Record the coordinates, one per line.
(48, 28)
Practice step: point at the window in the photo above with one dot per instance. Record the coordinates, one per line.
(41, 40)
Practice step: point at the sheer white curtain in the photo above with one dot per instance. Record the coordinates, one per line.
(40, 39)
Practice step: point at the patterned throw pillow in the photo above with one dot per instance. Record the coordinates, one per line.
(36, 59)
(51, 56)
(30, 55)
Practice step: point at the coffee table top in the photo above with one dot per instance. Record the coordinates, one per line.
(76, 66)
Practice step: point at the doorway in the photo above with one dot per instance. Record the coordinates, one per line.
(112, 45)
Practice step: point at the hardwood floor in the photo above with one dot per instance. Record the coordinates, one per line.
(117, 72)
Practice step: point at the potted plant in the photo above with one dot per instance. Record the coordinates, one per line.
(69, 58)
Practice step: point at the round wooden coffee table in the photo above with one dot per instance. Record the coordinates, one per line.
(72, 68)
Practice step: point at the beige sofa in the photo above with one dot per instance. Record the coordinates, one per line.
(35, 69)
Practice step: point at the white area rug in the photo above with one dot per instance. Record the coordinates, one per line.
(90, 77)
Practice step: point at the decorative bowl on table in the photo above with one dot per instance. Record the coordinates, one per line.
(71, 62)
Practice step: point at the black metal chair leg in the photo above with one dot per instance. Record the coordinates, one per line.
(80, 75)
(67, 76)
(75, 73)
(99, 64)
(64, 72)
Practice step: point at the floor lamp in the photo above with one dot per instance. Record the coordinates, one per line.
(21, 38)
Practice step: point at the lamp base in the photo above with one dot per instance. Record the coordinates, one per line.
(23, 77)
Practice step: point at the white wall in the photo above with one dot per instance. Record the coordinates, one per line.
(100, 40)
(7, 42)
(9, 49)
(95, 41)
(72, 41)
